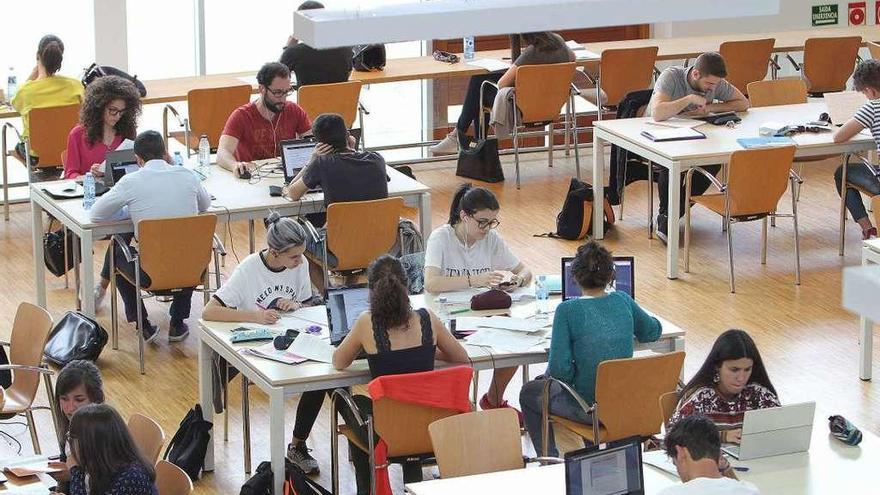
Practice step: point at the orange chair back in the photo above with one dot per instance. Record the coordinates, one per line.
(757, 179)
(209, 108)
(359, 231)
(777, 92)
(828, 62)
(624, 70)
(341, 98)
(874, 50)
(875, 207)
(147, 435)
(30, 329)
(542, 90)
(645, 379)
(49, 127)
(171, 480)
(477, 442)
(175, 252)
(746, 61)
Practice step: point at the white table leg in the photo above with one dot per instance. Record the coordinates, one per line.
(276, 437)
(206, 396)
(425, 214)
(598, 187)
(672, 212)
(866, 343)
(39, 269)
(87, 281)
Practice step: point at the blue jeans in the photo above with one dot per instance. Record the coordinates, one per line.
(561, 404)
(859, 175)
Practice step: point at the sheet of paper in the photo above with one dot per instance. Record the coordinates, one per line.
(843, 106)
(581, 54)
(504, 340)
(490, 64)
(574, 45)
(127, 144)
(464, 296)
(312, 347)
(671, 133)
(311, 314)
(678, 122)
(513, 324)
(268, 351)
(659, 460)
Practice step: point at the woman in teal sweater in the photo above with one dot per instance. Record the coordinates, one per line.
(593, 328)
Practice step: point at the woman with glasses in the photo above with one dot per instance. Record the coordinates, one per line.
(108, 116)
(468, 252)
(596, 327)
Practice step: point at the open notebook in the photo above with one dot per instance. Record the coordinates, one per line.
(672, 134)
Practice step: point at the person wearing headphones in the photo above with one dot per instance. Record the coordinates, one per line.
(254, 130)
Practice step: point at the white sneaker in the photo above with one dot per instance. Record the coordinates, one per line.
(449, 145)
(100, 292)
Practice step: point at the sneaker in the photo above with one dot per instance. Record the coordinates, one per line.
(100, 293)
(869, 233)
(299, 455)
(844, 431)
(484, 405)
(150, 332)
(660, 227)
(177, 331)
(448, 146)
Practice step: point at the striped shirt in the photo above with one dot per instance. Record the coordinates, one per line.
(869, 117)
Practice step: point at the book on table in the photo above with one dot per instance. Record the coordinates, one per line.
(672, 134)
(765, 142)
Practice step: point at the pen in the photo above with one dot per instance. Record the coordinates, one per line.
(459, 311)
(741, 469)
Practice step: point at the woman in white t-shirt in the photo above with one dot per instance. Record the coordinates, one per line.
(262, 286)
(468, 252)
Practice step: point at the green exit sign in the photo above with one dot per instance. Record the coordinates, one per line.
(825, 15)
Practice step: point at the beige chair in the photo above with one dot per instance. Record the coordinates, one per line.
(844, 179)
(668, 403)
(175, 253)
(875, 207)
(828, 63)
(30, 329)
(619, 415)
(171, 480)
(746, 61)
(477, 442)
(624, 70)
(147, 435)
(756, 181)
(341, 98)
(874, 50)
(208, 110)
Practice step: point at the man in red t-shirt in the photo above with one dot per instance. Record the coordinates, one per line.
(254, 130)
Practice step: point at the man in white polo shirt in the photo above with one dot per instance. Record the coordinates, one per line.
(156, 190)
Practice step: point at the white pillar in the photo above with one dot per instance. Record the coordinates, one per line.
(199, 36)
(111, 33)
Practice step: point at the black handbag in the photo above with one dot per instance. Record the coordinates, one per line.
(480, 162)
(366, 58)
(260, 483)
(76, 336)
(189, 445)
(575, 220)
(298, 483)
(96, 71)
(53, 252)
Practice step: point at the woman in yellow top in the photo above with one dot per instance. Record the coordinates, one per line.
(44, 88)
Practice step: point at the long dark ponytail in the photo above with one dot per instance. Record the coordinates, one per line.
(471, 199)
(389, 293)
(50, 51)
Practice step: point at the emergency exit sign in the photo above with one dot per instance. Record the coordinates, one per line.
(825, 15)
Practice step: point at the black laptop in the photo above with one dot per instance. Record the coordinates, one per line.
(624, 277)
(295, 154)
(117, 164)
(613, 468)
(344, 305)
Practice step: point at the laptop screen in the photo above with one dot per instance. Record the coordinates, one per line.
(624, 277)
(344, 305)
(608, 469)
(295, 154)
(119, 163)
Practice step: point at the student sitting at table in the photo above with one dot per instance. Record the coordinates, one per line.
(264, 285)
(104, 459)
(314, 66)
(691, 91)
(866, 79)
(695, 449)
(254, 130)
(595, 327)
(342, 173)
(731, 381)
(44, 88)
(156, 190)
(79, 384)
(397, 339)
(468, 252)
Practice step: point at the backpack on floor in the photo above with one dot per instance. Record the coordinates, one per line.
(188, 447)
(575, 220)
(260, 483)
(297, 483)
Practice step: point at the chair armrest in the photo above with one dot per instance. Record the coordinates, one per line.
(9, 125)
(574, 90)
(218, 246)
(362, 108)
(346, 397)
(580, 401)
(24, 367)
(775, 64)
(126, 249)
(4, 343)
(546, 461)
(794, 63)
(794, 175)
(311, 230)
(714, 180)
(875, 171)
(170, 108)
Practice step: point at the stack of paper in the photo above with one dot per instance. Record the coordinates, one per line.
(504, 340)
(677, 122)
(581, 54)
(672, 134)
(313, 348)
(268, 351)
(490, 64)
(311, 314)
(502, 323)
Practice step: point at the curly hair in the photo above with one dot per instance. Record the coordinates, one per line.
(593, 266)
(98, 95)
(389, 294)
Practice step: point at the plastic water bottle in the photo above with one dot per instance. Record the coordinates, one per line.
(443, 310)
(204, 156)
(11, 85)
(178, 159)
(542, 296)
(469, 48)
(88, 191)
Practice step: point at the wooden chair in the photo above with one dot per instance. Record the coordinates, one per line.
(668, 403)
(171, 480)
(844, 179)
(619, 415)
(756, 181)
(147, 435)
(875, 207)
(341, 98)
(828, 63)
(477, 442)
(30, 329)
(175, 253)
(402, 426)
(746, 61)
(874, 50)
(541, 92)
(208, 110)
(624, 70)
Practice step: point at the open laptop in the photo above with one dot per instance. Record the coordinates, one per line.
(613, 468)
(624, 277)
(295, 154)
(344, 305)
(843, 105)
(774, 431)
(117, 164)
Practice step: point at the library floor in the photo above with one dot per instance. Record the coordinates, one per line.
(808, 342)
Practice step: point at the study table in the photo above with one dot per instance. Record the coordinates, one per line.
(279, 380)
(236, 199)
(720, 143)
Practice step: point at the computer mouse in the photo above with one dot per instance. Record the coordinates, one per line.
(70, 188)
(244, 174)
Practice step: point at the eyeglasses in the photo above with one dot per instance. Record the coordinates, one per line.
(116, 111)
(280, 92)
(487, 224)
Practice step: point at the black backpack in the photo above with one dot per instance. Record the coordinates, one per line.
(95, 71)
(190, 443)
(576, 218)
(626, 166)
(260, 483)
(366, 58)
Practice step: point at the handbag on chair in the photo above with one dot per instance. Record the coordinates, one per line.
(480, 162)
(76, 336)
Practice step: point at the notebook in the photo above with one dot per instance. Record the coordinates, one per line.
(765, 142)
(672, 134)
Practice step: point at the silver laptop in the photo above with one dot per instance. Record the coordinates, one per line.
(774, 431)
(117, 164)
(843, 106)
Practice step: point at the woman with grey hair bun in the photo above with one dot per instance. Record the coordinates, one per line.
(266, 283)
